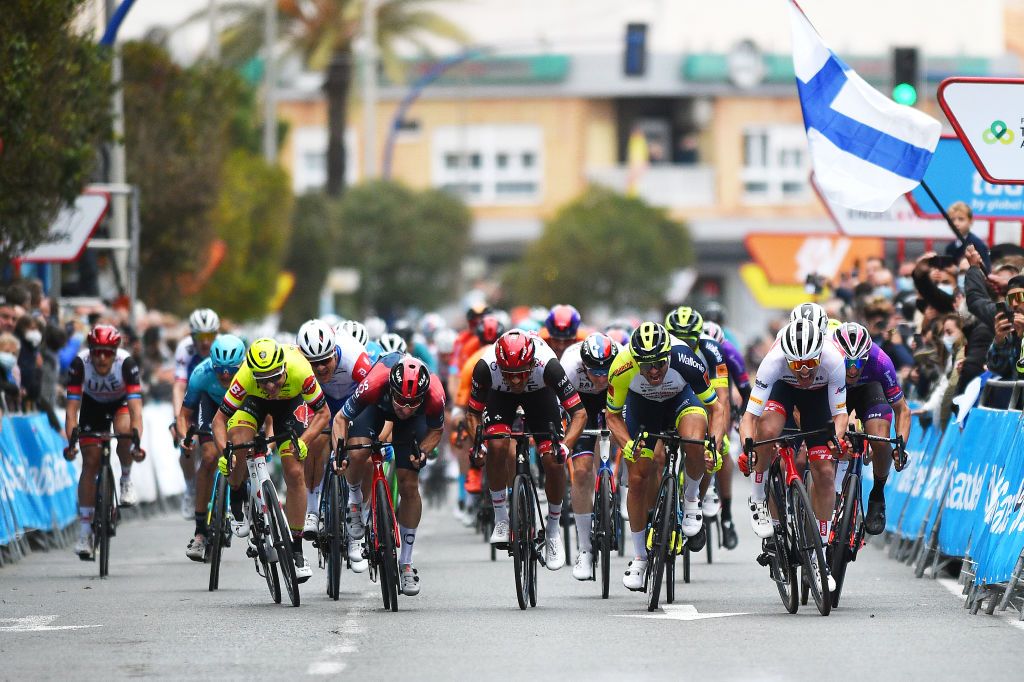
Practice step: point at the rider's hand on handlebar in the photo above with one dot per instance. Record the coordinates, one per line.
(712, 457)
(418, 459)
(561, 452)
(743, 462)
(630, 451)
(222, 465)
(70, 452)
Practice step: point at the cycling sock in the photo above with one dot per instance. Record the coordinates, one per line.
(878, 490)
(355, 493)
(462, 487)
(125, 474)
(691, 489)
(757, 493)
(841, 468)
(313, 502)
(640, 544)
(824, 528)
(554, 517)
(583, 524)
(726, 508)
(201, 523)
(408, 536)
(237, 499)
(85, 518)
(471, 500)
(296, 541)
(498, 501)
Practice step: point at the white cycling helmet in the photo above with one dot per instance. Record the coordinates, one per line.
(204, 321)
(355, 329)
(713, 331)
(316, 340)
(375, 327)
(810, 311)
(392, 343)
(430, 324)
(444, 340)
(802, 340)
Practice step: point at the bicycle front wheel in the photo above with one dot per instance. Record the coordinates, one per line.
(105, 512)
(388, 548)
(808, 542)
(332, 527)
(778, 548)
(603, 510)
(216, 527)
(661, 540)
(282, 538)
(846, 539)
(521, 538)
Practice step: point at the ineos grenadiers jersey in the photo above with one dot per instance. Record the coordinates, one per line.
(684, 369)
(830, 375)
(572, 363)
(546, 372)
(375, 389)
(353, 366)
(121, 382)
(185, 359)
(879, 368)
(203, 381)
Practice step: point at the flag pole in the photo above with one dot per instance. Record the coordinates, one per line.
(949, 221)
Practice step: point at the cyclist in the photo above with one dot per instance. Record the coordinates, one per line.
(465, 345)
(800, 372)
(687, 325)
(520, 370)
(340, 362)
(401, 390)
(587, 364)
(205, 392)
(355, 329)
(874, 393)
(662, 385)
(738, 375)
(810, 311)
(204, 325)
(274, 381)
(416, 343)
(391, 343)
(562, 328)
(104, 389)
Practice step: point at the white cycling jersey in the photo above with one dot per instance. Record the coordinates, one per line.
(830, 375)
(572, 363)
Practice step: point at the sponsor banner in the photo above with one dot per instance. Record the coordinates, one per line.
(790, 258)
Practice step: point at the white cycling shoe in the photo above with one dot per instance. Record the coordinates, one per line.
(816, 570)
(188, 502)
(130, 498)
(499, 536)
(554, 551)
(693, 518)
(634, 577)
(760, 519)
(303, 571)
(712, 504)
(240, 526)
(196, 550)
(83, 548)
(311, 527)
(356, 559)
(354, 523)
(583, 569)
(410, 581)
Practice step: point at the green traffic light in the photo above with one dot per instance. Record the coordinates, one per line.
(905, 93)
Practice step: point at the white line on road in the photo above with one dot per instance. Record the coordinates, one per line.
(37, 624)
(956, 589)
(678, 612)
(336, 649)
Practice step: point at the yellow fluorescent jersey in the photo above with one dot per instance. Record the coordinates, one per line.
(299, 381)
(685, 368)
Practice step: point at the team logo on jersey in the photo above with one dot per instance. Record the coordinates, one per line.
(688, 359)
(309, 384)
(722, 371)
(303, 413)
(237, 391)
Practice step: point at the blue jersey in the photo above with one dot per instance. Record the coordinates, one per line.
(203, 382)
(374, 350)
(422, 351)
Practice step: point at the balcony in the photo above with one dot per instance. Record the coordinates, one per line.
(667, 186)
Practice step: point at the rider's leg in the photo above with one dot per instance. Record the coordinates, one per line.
(409, 512)
(87, 488)
(583, 476)
(319, 450)
(204, 482)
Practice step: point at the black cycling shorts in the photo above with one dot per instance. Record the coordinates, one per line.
(812, 404)
(868, 401)
(540, 408)
(98, 417)
(404, 433)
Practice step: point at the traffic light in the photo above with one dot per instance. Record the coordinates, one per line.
(905, 75)
(635, 58)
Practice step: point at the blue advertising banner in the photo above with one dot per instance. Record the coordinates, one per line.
(951, 175)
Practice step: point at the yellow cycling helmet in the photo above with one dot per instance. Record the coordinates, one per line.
(684, 322)
(650, 343)
(265, 358)
(832, 325)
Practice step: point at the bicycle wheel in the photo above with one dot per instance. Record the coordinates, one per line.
(258, 537)
(845, 533)
(778, 547)
(661, 539)
(333, 529)
(106, 509)
(620, 528)
(215, 528)
(603, 515)
(808, 543)
(388, 553)
(521, 538)
(708, 525)
(282, 538)
(686, 564)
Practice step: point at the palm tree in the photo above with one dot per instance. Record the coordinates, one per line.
(322, 32)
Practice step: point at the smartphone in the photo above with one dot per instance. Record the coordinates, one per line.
(1001, 307)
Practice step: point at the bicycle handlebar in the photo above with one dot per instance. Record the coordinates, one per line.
(260, 440)
(599, 433)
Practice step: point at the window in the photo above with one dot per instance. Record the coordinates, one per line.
(309, 158)
(487, 164)
(775, 165)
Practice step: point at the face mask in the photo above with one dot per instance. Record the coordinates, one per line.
(948, 342)
(884, 291)
(946, 289)
(7, 360)
(904, 283)
(960, 279)
(34, 336)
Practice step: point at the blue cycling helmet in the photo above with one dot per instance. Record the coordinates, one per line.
(227, 351)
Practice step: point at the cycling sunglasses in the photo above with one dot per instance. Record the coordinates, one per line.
(322, 362)
(648, 366)
(1015, 298)
(598, 372)
(410, 405)
(798, 365)
(102, 352)
(208, 337)
(271, 379)
(855, 363)
(224, 369)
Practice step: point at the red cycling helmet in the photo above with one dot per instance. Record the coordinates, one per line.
(488, 329)
(410, 381)
(563, 322)
(104, 336)
(515, 351)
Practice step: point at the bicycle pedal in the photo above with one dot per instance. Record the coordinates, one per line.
(764, 558)
(251, 552)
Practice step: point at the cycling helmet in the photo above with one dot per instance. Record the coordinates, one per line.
(854, 340)
(475, 310)
(713, 332)
(227, 351)
(597, 353)
(203, 321)
(392, 343)
(684, 322)
(404, 329)
(430, 324)
(488, 329)
(331, 320)
(810, 311)
(562, 322)
(355, 329)
(444, 340)
(265, 358)
(714, 312)
(802, 340)
(650, 343)
(375, 327)
(104, 336)
(316, 340)
(515, 351)
(410, 380)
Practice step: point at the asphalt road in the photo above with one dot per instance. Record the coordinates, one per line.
(153, 617)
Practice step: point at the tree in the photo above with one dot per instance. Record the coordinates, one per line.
(54, 116)
(323, 33)
(602, 249)
(310, 254)
(408, 246)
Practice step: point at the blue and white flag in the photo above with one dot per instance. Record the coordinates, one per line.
(866, 149)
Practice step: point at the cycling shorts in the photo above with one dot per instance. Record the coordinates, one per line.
(654, 415)
(868, 401)
(811, 404)
(99, 417)
(403, 433)
(540, 408)
(287, 415)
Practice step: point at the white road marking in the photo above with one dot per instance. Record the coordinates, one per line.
(678, 612)
(325, 668)
(345, 645)
(37, 624)
(1008, 616)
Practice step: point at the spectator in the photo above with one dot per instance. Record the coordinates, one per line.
(935, 281)
(8, 315)
(962, 217)
(1005, 354)
(10, 376)
(29, 334)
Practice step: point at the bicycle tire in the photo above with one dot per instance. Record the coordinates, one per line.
(105, 510)
(604, 531)
(663, 523)
(670, 578)
(708, 525)
(842, 546)
(781, 559)
(686, 564)
(215, 529)
(333, 528)
(521, 538)
(388, 548)
(282, 539)
(808, 539)
(258, 532)
(620, 528)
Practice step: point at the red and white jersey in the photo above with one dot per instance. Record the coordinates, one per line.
(546, 372)
(122, 381)
(829, 375)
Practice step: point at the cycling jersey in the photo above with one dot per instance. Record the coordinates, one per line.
(711, 353)
(204, 382)
(185, 359)
(353, 366)
(299, 382)
(546, 372)
(685, 370)
(375, 390)
(829, 375)
(466, 377)
(122, 382)
(572, 363)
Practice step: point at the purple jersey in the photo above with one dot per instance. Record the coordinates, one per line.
(734, 361)
(880, 368)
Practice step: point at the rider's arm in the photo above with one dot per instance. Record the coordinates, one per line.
(556, 379)
(481, 385)
(837, 397)
(181, 360)
(189, 405)
(321, 417)
(617, 425)
(233, 399)
(76, 376)
(902, 411)
(133, 392)
(220, 429)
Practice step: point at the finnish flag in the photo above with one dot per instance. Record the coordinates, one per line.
(866, 149)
